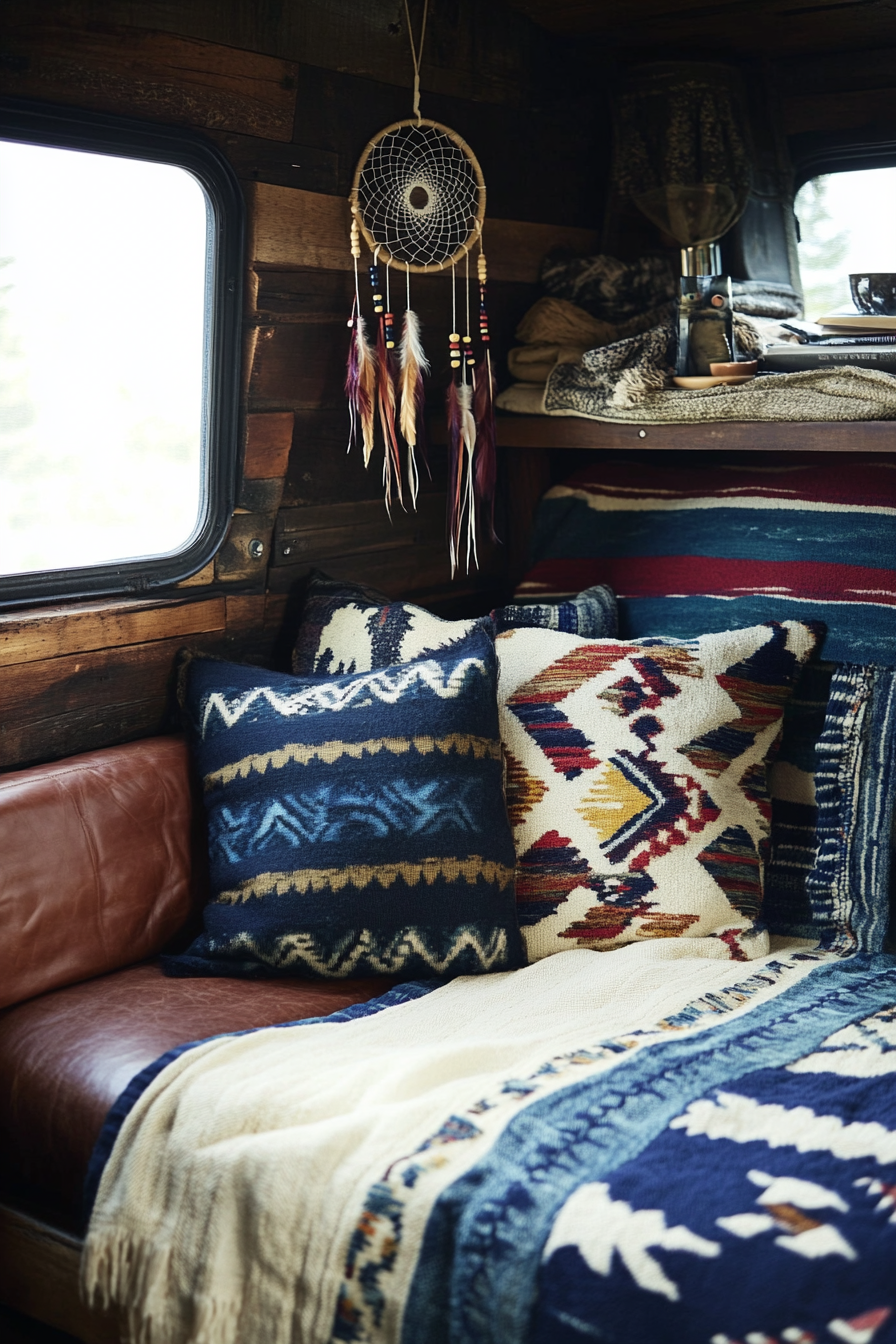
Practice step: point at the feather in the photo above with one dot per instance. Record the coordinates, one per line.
(486, 440)
(360, 387)
(468, 437)
(413, 365)
(455, 473)
(385, 395)
(352, 387)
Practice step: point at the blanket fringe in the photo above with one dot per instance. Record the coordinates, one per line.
(118, 1269)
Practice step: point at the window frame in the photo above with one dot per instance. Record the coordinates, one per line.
(818, 154)
(71, 128)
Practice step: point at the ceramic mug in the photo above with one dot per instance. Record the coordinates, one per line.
(875, 293)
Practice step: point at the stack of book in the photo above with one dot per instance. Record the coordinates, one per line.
(846, 338)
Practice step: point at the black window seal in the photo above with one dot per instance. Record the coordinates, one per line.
(72, 128)
(817, 153)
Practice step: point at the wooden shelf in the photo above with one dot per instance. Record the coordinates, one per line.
(856, 436)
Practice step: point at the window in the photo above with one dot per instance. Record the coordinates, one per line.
(120, 255)
(846, 227)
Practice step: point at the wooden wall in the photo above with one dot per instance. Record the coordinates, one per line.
(291, 94)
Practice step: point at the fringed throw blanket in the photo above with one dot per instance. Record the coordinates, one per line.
(646, 1145)
(630, 382)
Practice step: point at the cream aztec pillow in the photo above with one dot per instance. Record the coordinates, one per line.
(636, 782)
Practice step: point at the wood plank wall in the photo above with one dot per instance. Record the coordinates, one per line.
(291, 94)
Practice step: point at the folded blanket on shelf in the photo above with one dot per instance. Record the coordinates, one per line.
(647, 1144)
(533, 363)
(629, 381)
(522, 399)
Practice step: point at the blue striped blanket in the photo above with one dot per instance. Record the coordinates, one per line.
(480, 1162)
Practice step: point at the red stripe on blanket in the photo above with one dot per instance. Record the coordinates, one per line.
(695, 575)
(871, 483)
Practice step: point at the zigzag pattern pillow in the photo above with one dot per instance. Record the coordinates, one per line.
(356, 824)
(636, 782)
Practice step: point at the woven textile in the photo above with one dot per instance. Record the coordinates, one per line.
(356, 824)
(592, 390)
(656, 1146)
(699, 549)
(636, 782)
(690, 550)
(347, 627)
(829, 867)
(591, 614)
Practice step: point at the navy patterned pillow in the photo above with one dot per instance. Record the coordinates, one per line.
(357, 824)
(347, 627)
(592, 615)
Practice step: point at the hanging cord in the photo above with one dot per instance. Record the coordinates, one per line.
(388, 291)
(416, 54)
(453, 298)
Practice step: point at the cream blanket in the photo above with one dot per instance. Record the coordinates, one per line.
(226, 1209)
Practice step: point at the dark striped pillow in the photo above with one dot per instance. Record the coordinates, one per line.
(357, 824)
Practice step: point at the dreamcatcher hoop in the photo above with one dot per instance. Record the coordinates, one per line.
(411, 194)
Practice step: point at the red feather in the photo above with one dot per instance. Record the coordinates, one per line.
(360, 383)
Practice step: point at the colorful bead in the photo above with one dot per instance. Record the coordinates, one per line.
(483, 315)
(375, 286)
(468, 352)
(454, 349)
(389, 329)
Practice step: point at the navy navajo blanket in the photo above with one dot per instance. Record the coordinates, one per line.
(638, 1146)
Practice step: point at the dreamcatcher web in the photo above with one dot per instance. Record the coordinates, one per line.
(419, 193)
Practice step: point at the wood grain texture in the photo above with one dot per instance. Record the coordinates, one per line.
(201, 578)
(302, 228)
(474, 50)
(268, 441)
(692, 27)
(838, 111)
(84, 701)
(286, 165)
(346, 529)
(39, 1267)
(531, 431)
(400, 571)
(81, 627)
(119, 68)
(234, 563)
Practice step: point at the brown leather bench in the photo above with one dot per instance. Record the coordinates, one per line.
(102, 865)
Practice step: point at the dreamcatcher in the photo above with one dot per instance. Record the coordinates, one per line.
(418, 201)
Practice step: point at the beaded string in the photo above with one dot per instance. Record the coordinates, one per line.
(454, 337)
(469, 357)
(375, 282)
(388, 316)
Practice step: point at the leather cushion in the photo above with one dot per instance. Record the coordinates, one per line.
(98, 864)
(67, 1055)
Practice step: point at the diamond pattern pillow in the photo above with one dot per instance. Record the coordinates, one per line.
(636, 782)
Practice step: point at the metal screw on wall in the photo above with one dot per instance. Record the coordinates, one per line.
(256, 549)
